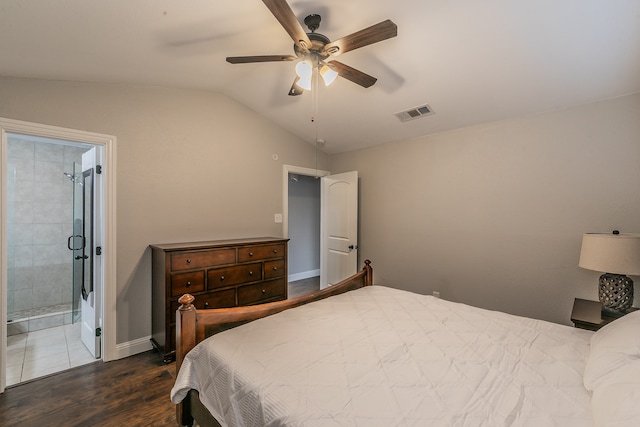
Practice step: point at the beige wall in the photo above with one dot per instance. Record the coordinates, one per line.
(489, 215)
(492, 215)
(192, 165)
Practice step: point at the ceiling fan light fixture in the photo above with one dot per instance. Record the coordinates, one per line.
(328, 74)
(304, 83)
(304, 70)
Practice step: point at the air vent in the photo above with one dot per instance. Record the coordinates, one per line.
(415, 113)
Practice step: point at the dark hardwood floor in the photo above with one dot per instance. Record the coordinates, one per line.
(304, 286)
(127, 392)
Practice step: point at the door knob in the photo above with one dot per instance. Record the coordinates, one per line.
(352, 247)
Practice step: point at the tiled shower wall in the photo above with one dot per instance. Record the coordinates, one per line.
(39, 220)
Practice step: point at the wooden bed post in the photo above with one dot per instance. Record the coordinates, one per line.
(369, 271)
(185, 341)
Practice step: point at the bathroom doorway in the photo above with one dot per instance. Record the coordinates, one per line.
(47, 189)
(37, 252)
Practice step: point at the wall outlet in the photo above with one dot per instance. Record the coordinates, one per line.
(436, 294)
(278, 218)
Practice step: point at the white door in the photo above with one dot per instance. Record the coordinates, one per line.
(91, 300)
(338, 227)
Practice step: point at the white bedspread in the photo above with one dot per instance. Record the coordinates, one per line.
(378, 356)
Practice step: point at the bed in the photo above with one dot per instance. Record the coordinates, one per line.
(356, 354)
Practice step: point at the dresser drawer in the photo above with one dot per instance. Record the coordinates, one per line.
(183, 283)
(228, 276)
(260, 252)
(261, 292)
(190, 260)
(273, 269)
(217, 299)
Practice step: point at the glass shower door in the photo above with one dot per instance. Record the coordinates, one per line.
(77, 242)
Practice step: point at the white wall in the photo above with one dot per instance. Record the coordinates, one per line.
(492, 215)
(192, 165)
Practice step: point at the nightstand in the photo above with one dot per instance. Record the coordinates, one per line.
(589, 315)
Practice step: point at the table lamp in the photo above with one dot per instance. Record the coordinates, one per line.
(616, 255)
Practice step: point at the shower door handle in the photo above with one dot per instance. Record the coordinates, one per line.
(82, 257)
(72, 238)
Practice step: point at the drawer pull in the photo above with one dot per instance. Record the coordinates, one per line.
(275, 268)
(188, 284)
(221, 278)
(250, 253)
(206, 305)
(188, 261)
(251, 273)
(264, 291)
(275, 251)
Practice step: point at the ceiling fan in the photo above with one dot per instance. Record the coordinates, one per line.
(313, 49)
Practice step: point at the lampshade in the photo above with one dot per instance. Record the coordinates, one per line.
(328, 74)
(304, 83)
(611, 253)
(304, 70)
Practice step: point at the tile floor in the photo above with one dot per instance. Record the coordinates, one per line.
(44, 352)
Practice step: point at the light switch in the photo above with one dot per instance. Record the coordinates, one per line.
(278, 218)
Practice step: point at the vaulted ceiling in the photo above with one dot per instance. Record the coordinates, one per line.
(471, 61)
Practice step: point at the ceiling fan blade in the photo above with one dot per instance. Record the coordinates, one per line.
(349, 73)
(288, 20)
(374, 34)
(262, 58)
(295, 89)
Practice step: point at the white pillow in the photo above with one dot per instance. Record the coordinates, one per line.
(615, 401)
(612, 347)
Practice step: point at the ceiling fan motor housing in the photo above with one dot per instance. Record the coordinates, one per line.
(318, 42)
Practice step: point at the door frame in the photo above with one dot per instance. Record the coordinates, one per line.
(286, 170)
(108, 144)
(298, 170)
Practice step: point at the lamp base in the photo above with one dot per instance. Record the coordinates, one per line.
(615, 292)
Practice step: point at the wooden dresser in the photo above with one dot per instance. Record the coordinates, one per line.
(222, 273)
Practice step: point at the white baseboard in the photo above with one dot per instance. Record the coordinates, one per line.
(304, 275)
(130, 348)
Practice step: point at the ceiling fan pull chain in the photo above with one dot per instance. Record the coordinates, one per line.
(314, 92)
